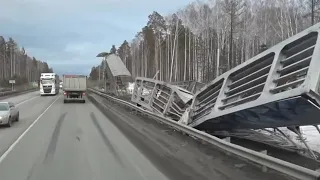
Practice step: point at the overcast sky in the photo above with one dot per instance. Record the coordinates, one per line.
(68, 34)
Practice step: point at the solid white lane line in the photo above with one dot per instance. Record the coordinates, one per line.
(26, 101)
(5, 154)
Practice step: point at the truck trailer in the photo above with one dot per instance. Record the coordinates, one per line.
(74, 87)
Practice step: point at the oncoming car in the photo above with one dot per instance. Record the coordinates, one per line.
(8, 113)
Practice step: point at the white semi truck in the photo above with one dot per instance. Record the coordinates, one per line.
(74, 87)
(49, 84)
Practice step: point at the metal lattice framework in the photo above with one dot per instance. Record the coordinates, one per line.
(277, 88)
(168, 100)
(192, 86)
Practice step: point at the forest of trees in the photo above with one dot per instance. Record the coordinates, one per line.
(16, 64)
(205, 39)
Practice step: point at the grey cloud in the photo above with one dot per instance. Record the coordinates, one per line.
(69, 33)
(47, 37)
(36, 37)
(74, 69)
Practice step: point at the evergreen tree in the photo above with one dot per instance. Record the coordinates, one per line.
(113, 49)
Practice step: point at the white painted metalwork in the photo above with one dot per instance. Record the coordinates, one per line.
(279, 87)
(192, 86)
(160, 97)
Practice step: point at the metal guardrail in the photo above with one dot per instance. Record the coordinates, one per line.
(6, 93)
(256, 157)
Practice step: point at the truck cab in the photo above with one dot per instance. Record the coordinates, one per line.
(49, 84)
(74, 87)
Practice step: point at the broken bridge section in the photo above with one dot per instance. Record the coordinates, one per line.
(192, 86)
(277, 88)
(117, 75)
(160, 97)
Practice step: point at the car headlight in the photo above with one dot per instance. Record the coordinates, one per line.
(3, 116)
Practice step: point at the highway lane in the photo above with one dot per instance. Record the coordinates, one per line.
(75, 142)
(22, 98)
(30, 106)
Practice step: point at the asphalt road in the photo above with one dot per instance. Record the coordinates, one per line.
(77, 141)
(30, 106)
(68, 141)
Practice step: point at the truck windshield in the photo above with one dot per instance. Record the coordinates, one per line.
(4, 107)
(47, 81)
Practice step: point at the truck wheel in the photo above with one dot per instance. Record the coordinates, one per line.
(64, 101)
(83, 101)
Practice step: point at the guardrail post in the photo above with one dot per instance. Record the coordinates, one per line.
(227, 139)
(264, 168)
